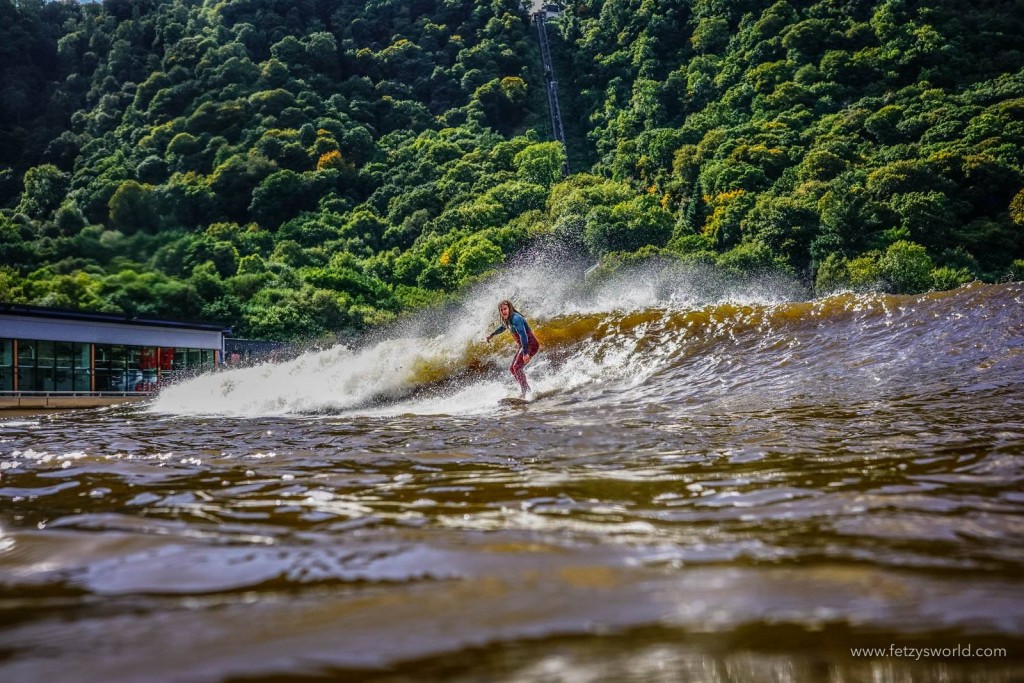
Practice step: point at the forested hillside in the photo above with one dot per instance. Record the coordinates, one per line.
(302, 168)
(851, 142)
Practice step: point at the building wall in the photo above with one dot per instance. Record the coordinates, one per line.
(25, 327)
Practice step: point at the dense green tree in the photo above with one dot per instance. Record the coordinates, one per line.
(475, 254)
(627, 226)
(503, 101)
(541, 163)
(300, 169)
(906, 267)
(45, 189)
(134, 207)
(282, 195)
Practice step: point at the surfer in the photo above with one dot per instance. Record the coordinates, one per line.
(513, 321)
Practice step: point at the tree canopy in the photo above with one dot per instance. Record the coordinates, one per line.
(301, 169)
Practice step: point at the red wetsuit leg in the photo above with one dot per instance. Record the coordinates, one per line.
(517, 371)
(517, 367)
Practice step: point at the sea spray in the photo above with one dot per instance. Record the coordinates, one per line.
(437, 363)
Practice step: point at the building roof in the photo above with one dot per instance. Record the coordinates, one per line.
(116, 318)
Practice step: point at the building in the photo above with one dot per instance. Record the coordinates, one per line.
(53, 351)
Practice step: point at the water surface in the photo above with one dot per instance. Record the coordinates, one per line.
(706, 488)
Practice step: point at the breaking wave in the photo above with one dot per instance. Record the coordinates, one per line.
(682, 337)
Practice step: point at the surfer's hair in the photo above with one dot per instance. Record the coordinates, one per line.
(511, 310)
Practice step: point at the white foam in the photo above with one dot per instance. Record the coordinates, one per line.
(374, 378)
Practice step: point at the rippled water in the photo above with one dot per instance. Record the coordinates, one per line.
(718, 489)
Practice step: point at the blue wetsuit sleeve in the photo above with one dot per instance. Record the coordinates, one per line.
(519, 325)
(497, 331)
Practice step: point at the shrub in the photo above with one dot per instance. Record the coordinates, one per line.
(906, 267)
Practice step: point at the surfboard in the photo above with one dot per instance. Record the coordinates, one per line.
(512, 401)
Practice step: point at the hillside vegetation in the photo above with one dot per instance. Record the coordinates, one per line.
(303, 168)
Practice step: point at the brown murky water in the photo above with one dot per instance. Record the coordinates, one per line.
(722, 492)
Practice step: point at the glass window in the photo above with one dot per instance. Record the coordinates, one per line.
(118, 368)
(27, 365)
(82, 366)
(103, 381)
(83, 356)
(26, 352)
(194, 359)
(63, 378)
(148, 358)
(27, 378)
(149, 365)
(118, 357)
(207, 356)
(6, 365)
(103, 355)
(44, 352)
(45, 365)
(64, 352)
(165, 365)
(134, 370)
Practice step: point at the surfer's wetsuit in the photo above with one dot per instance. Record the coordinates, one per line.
(528, 346)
